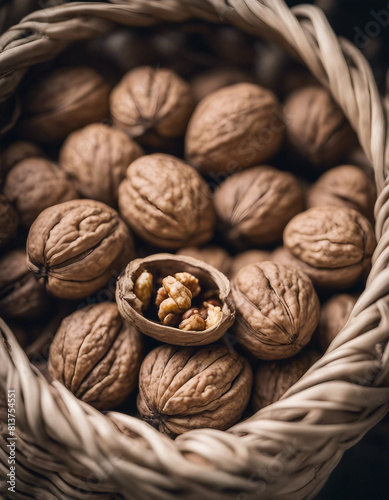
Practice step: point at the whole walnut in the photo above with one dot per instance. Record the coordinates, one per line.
(9, 221)
(344, 186)
(96, 355)
(21, 296)
(207, 82)
(16, 152)
(76, 247)
(35, 184)
(96, 159)
(333, 317)
(166, 202)
(234, 128)
(152, 105)
(254, 206)
(62, 101)
(181, 389)
(213, 255)
(317, 131)
(332, 245)
(277, 309)
(273, 378)
(248, 257)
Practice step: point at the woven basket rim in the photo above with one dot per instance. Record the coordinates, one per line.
(302, 436)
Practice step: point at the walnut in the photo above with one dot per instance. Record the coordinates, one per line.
(96, 158)
(96, 355)
(9, 221)
(166, 202)
(207, 82)
(21, 296)
(76, 247)
(143, 288)
(249, 257)
(63, 101)
(344, 186)
(333, 317)
(208, 295)
(332, 245)
(277, 309)
(316, 129)
(35, 184)
(213, 255)
(152, 105)
(254, 206)
(273, 378)
(16, 152)
(234, 128)
(181, 389)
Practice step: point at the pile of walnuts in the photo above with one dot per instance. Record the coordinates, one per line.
(267, 223)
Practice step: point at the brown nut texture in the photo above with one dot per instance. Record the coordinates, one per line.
(76, 247)
(277, 310)
(205, 83)
(166, 265)
(63, 101)
(96, 158)
(332, 245)
(21, 296)
(254, 206)
(181, 389)
(317, 131)
(234, 128)
(273, 378)
(166, 202)
(213, 255)
(344, 186)
(248, 257)
(334, 314)
(152, 104)
(16, 152)
(96, 355)
(35, 184)
(9, 221)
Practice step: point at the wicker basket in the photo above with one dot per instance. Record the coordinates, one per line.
(66, 449)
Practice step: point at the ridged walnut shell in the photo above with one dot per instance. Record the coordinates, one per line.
(166, 202)
(317, 131)
(62, 101)
(76, 247)
(35, 184)
(181, 389)
(152, 104)
(96, 158)
(344, 186)
(234, 128)
(96, 355)
(254, 206)
(9, 221)
(277, 310)
(333, 316)
(16, 152)
(21, 296)
(273, 378)
(332, 245)
(160, 266)
(213, 255)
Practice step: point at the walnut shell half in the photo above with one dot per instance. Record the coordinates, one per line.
(161, 265)
(181, 389)
(77, 246)
(277, 309)
(96, 355)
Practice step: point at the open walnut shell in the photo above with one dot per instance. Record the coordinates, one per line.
(160, 266)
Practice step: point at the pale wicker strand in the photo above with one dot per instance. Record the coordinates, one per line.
(271, 455)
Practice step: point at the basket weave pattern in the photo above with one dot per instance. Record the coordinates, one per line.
(66, 449)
